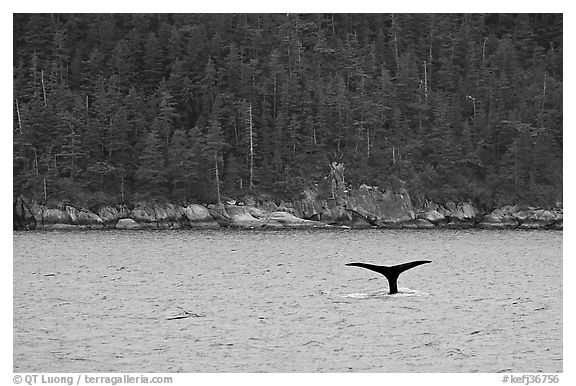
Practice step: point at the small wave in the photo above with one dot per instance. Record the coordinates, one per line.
(411, 292)
(402, 292)
(358, 296)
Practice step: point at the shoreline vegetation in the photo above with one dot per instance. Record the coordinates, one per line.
(365, 207)
(157, 111)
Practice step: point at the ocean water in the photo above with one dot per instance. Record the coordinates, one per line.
(284, 301)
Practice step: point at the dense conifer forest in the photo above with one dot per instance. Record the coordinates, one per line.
(112, 108)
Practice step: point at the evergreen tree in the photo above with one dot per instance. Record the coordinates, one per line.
(446, 105)
(182, 167)
(152, 62)
(151, 175)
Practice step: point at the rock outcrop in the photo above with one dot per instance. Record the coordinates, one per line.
(158, 215)
(218, 213)
(55, 216)
(199, 217)
(431, 215)
(247, 217)
(538, 219)
(83, 217)
(527, 218)
(24, 219)
(363, 207)
(111, 214)
(381, 208)
(331, 211)
(241, 217)
(128, 223)
(288, 220)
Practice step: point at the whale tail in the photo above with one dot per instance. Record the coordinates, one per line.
(391, 272)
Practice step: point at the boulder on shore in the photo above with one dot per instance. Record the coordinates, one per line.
(329, 211)
(256, 212)
(308, 208)
(418, 223)
(199, 216)
(159, 215)
(431, 216)
(111, 214)
(241, 217)
(55, 216)
(149, 212)
(128, 223)
(284, 219)
(462, 211)
(500, 218)
(537, 218)
(83, 217)
(362, 207)
(218, 213)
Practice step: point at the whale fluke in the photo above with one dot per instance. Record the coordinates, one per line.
(391, 272)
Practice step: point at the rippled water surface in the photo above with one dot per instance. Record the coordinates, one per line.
(283, 301)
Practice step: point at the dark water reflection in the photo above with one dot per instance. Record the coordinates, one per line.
(283, 301)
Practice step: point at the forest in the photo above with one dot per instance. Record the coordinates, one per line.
(116, 108)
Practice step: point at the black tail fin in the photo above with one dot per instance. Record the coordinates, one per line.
(391, 272)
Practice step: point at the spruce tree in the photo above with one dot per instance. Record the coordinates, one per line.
(151, 175)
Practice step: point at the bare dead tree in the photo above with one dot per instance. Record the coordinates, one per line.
(395, 42)
(19, 117)
(217, 175)
(44, 88)
(473, 104)
(543, 94)
(425, 83)
(251, 140)
(484, 50)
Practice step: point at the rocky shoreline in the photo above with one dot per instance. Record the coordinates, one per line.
(360, 208)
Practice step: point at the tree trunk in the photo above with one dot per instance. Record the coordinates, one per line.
(217, 175)
(367, 142)
(274, 99)
(19, 118)
(251, 185)
(395, 44)
(430, 54)
(543, 94)
(36, 163)
(44, 89)
(425, 83)
(484, 50)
